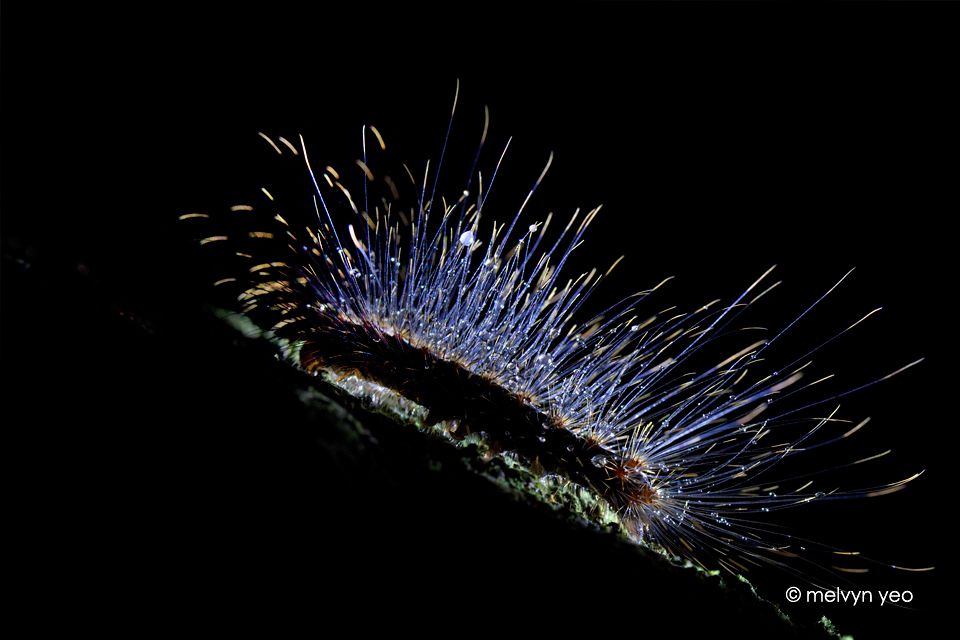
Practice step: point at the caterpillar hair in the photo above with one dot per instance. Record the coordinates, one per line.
(684, 429)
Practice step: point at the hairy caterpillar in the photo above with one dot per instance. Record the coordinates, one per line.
(481, 327)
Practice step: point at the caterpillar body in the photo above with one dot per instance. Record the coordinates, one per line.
(477, 323)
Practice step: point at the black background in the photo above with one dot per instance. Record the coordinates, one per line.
(716, 153)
